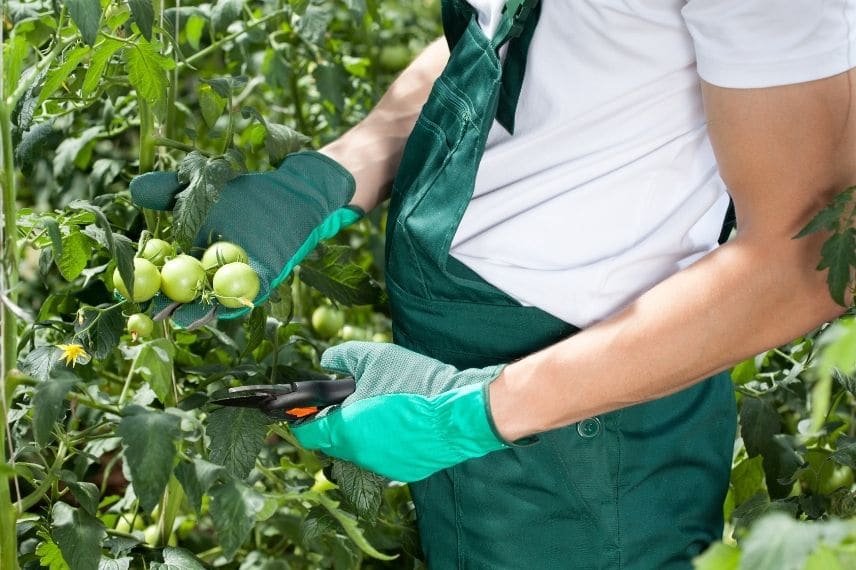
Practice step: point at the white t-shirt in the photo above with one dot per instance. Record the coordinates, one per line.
(609, 184)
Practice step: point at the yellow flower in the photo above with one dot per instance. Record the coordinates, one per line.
(74, 354)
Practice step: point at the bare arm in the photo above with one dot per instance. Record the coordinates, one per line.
(784, 152)
(372, 149)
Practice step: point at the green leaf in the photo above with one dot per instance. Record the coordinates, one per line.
(121, 247)
(69, 149)
(149, 438)
(154, 363)
(256, 326)
(144, 16)
(50, 556)
(314, 21)
(332, 84)
(103, 52)
(100, 330)
(40, 361)
(193, 29)
(839, 256)
(824, 558)
(317, 523)
(718, 557)
(351, 527)
(759, 422)
(362, 489)
(196, 478)
(233, 509)
(329, 271)
(86, 14)
(829, 218)
(15, 55)
(205, 179)
(228, 85)
(49, 403)
(224, 13)
(777, 542)
(54, 233)
(78, 535)
(747, 479)
(147, 71)
(87, 494)
(76, 252)
(211, 104)
(123, 563)
(178, 559)
(57, 76)
(281, 140)
(237, 436)
(35, 142)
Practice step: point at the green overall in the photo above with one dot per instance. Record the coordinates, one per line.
(639, 488)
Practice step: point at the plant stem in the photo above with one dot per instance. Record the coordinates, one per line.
(225, 39)
(147, 155)
(8, 331)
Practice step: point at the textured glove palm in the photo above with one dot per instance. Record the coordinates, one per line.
(409, 417)
(278, 217)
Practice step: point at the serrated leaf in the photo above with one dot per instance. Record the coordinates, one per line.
(224, 13)
(78, 535)
(35, 142)
(87, 494)
(345, 282)
(57, 76)
(50, 556)
(225, 86)
(123, 563)
(178, 559)
(211, 104)
(144, 16)
(281, 140)
(69, 149)
(102, 336)
(103, 52)
(777, 542)
(829, 218)
(147, 71)
(845, 452)
(256, 326)
(40, 362)
(233, 509)
(149, 438)
(205, 179)
(237, 436)
(314, 21)
(86, 14)
(49, 403)
(196, 478)
(317, 523)
(839, 256)
(362, 489)
(154, 363)
(76, 251)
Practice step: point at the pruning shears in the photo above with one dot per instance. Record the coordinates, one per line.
(290, 402)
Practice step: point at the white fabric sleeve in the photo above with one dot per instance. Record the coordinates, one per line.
(762, 43)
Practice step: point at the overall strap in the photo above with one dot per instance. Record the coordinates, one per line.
(519, 18)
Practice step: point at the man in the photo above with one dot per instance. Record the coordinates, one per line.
(529, 441)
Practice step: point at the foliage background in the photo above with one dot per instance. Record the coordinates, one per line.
(118, 461)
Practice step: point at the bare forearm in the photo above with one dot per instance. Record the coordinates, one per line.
(372, 149)
(738, 301)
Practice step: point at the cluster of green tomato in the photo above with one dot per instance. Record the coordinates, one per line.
(183, 278)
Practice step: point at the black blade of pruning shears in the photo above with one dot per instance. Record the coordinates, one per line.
(289, 402)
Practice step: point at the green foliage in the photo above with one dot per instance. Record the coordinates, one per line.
(237, 436)
(149, 437)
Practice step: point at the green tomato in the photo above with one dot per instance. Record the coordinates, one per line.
(354, 333)
(236, 284)
(823, 475)
(394, 57)
(157, 251)
(182, 278)
(147, 280)
(140, 325)
(327, 321)
(219, 254)
(381, 337)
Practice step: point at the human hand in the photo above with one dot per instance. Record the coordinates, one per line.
(278, 217)
(410, 415)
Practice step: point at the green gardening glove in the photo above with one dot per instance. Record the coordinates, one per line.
(410, 415)
(278, 217)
